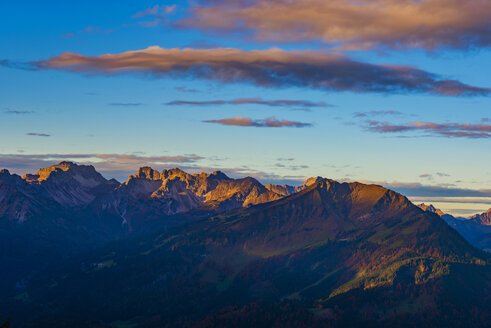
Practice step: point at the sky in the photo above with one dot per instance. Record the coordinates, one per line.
(392, 92)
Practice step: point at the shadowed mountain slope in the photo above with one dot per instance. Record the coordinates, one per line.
(323, 252)
(67, 208)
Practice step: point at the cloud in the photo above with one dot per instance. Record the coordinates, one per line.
(362, 24)
(186, 89)
(270, 122)
(158, 13)
(377, 112)
(125, 104)
(291, 167)
(155, 11)
(419, 190)
(268, 68)
(468, 200)
(18, 65)
(87, 30)
(252, 101)
(36, 134)
(198, 103)
(147, 12)
(426, 176)
(18, 112)
(456, 130)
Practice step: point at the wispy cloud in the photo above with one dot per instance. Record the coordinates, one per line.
(393, 24)
(377, 113)
(87, 30)
(305, 104)
(270, 122)
(269, 68)
(18, 112)
(157, 13)
(155, 10)
(121, 104)
(37, 134)
(417, 189)
(186, 89)
(18, 65)
(291, 167)
(456, 130)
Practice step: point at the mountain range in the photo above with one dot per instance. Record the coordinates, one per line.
(171, 249)
(476, 229)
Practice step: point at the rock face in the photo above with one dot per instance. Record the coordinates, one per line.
(70, 184)
(174, 191)
(146, 193)
(59, 186)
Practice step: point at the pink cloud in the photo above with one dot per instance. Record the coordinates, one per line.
(353, 25)
(270, 122)
(462, 130)
(270, 68)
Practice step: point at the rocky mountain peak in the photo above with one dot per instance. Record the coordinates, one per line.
(65, 169)
(4, 172)
(219, 175)
(312, 180)
(148, 173)
(44, 173)
(7, 178)
(430, 208)
(176, 173)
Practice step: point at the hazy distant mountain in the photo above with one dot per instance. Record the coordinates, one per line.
(342, 255)
(483, 219)
(476, 229)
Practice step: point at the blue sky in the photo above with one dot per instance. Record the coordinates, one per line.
(119, 121)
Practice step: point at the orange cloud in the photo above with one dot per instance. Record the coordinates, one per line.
(360, 24)
(271, 68)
